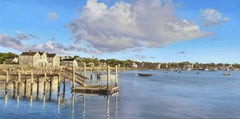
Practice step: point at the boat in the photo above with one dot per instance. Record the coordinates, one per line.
(144, 74)
(226, 74)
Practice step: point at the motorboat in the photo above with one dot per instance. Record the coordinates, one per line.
(144, 74)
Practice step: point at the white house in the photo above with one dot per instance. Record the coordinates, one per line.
(69, 62)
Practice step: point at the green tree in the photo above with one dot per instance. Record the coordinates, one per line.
(4, 56)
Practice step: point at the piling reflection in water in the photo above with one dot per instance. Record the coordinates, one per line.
(78, 103)
(43, 102)
(84, 107)
(107, 108)
(73, 103)
(5, 100)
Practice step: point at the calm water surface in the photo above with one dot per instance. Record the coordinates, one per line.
(163, 95)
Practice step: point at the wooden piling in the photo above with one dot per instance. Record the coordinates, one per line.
(91, 73)
(84, 69)
(14, 88)
(31, 90)
(64, 88)
(6, 84)
(44, 84)
(108, 76)
(37, 88)
(116, 75)
(50, 89)
(58, 93)
(59, 78)
(25, 87)
(98, 74)
(73, 77)
(19, 82)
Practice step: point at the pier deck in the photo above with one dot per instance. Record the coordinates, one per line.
(96, 89)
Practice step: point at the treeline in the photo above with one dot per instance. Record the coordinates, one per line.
(153, 65)
(7, 57)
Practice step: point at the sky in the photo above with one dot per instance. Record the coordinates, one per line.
(205, 31)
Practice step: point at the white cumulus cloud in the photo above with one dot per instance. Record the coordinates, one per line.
(22, 36)
(141, 23)
(17, 43)
(11, 42)
(211, 17)
(50, 46)
(52, 16)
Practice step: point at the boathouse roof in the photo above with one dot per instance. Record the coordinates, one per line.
(51, 55)
(68, 59)
(29, 53)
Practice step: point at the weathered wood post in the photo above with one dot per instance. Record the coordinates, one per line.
(91, 73)
(44, 84)
(37, 87)
(6, 84)
(25, 87)
(108, 76)
(98, 74)
(64, 88)
(32, 78)
(14, 88)
(84, 69)
(59, 78)
(50, 89)
(19, 82)
(73, 78)
(116, 75)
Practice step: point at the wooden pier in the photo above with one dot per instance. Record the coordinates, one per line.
(35, 80)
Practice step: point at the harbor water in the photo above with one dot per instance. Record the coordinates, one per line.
(165, 94)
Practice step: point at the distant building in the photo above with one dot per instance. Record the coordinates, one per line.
(15, 60)
(43, 59)
(53, 60)
(134, 65)
(11, 61)
(159, 66)
(29, 58)
(38, 59)
(69, 62)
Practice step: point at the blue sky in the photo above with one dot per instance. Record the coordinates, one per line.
(203, 31)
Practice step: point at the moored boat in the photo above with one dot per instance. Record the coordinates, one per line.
(226, 74)
(144, 74)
